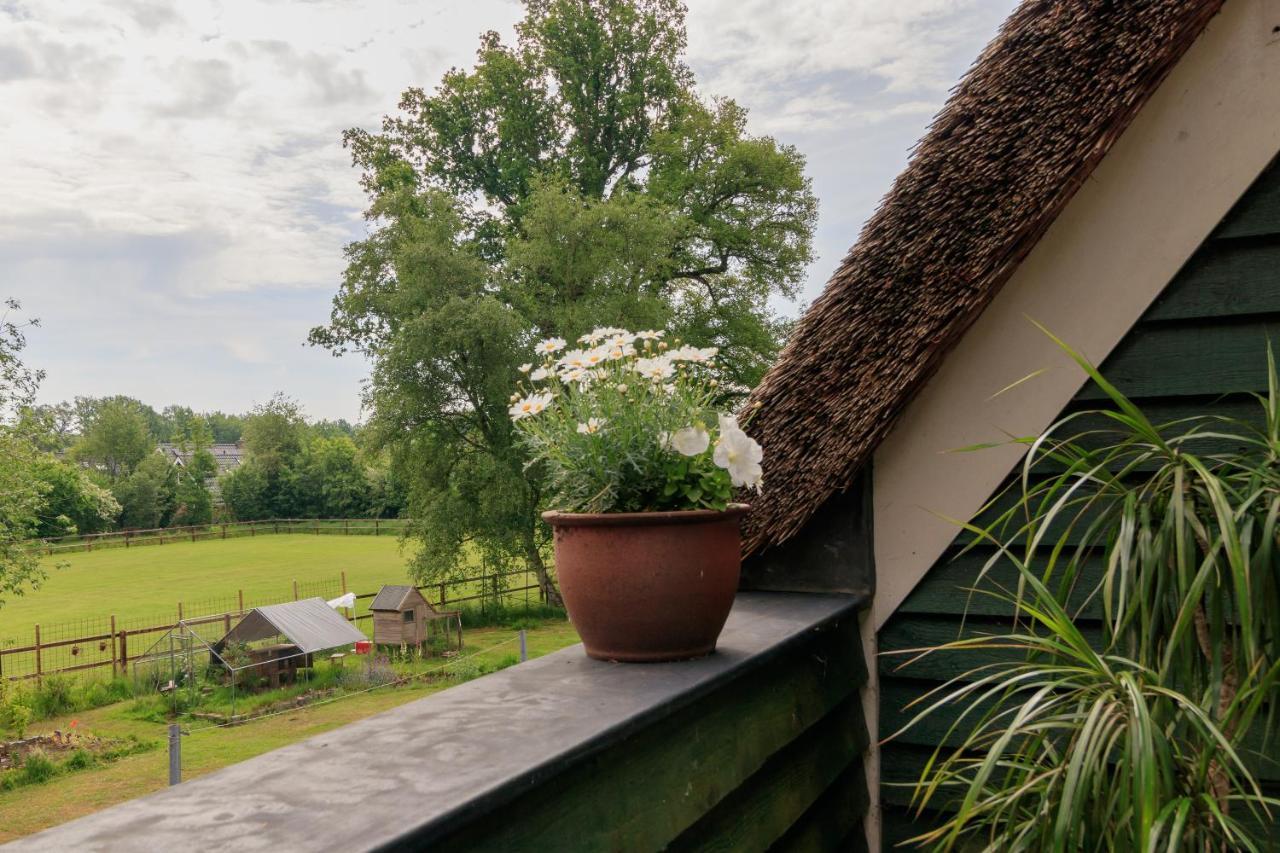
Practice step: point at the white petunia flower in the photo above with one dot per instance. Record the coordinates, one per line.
(540, 374)
(739, 454)
(689, 441)
(591, 427)
(531, 405)
(657, 369)
(551, 345)
(525, 368)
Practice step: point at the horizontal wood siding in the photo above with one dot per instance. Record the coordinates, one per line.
(1201, 347)
(773, 758)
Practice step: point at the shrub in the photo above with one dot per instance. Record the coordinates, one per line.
(53, 696)
(81, 759)
(38, 768)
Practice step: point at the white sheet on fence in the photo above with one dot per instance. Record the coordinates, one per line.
(311, 625)
(348, 601)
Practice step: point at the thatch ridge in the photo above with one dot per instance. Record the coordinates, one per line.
(1021, 132)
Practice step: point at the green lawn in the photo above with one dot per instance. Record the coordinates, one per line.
(149, 582)
(30, 809)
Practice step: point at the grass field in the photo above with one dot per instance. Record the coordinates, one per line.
(31, 809)
(150, 581)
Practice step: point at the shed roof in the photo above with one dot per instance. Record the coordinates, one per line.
(1021, 132)
(310, 624)
(392, 597)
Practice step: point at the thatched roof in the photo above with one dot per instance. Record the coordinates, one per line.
(1022, 131)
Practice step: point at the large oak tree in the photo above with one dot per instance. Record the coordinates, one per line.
(572, 179)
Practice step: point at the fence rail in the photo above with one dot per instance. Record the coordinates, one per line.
(108, 641)
(227, 530)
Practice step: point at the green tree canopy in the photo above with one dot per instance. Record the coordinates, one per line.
(147, 495)
(572, 179)
(71, 502)
(21, 491)
(116, 436)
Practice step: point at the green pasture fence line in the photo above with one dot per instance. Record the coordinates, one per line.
(108, 641)
(227, 530)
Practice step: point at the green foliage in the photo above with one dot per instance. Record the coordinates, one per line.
(147, 495)
(15, 716)
(81, 759)
(273, 434)
(116, 436)
(329, 480)
(194, 501)
(21, 491)
(37, 767)
(245, 492)
(573, 178)
(72, 503)
(1143, 744)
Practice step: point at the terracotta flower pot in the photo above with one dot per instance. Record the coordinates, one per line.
(648, 586)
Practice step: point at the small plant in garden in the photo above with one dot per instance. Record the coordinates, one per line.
(628, 423)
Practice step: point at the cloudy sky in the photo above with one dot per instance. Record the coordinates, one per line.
(174, 196)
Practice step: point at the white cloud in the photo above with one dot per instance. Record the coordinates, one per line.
(174, 196)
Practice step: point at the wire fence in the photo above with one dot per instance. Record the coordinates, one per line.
(228, 530)
(108, 641)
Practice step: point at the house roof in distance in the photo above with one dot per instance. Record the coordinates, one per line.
(392, 597)
(1022, 131)
(310, 624)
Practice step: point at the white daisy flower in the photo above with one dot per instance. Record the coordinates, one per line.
(525, 368)
(551, 345)
(591, 427)
(540, 374)
(657, 369)
(532, 405)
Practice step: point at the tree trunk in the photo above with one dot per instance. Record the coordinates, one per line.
(550, 594)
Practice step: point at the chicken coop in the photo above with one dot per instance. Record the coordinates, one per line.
(402, 617)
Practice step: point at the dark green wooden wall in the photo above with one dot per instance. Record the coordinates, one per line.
(1199, 348)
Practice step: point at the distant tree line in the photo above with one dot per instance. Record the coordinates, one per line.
(98, 466)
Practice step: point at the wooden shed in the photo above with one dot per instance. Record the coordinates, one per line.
(400, 615)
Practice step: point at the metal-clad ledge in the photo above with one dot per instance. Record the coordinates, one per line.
(431, 771)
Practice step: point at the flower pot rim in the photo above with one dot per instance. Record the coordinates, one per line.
(556, 518)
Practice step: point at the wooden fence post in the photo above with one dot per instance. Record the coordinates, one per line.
(375, 527)
(179, 611)
(38, 666)
(224, 531)
(126, 539)
(346, 527)
(240, 598)
(124, 650)
(226, 623)
(442, 595)
(115, 669)
(295, 590)
(344, 582)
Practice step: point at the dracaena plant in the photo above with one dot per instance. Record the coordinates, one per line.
(627, 422)
(1149, 740)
